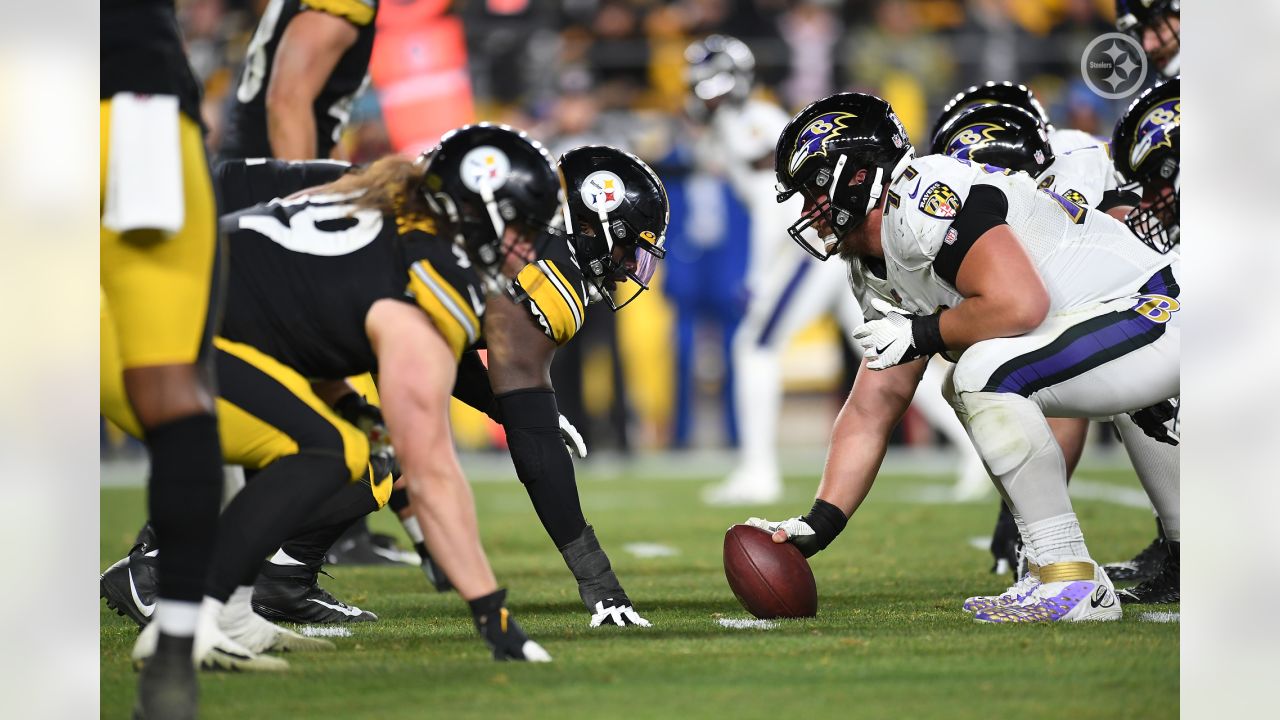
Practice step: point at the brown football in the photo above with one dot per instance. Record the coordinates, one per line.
(771, 580)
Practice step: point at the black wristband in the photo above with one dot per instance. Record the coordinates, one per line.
(926, 334)
(488, 604)
(827, 522)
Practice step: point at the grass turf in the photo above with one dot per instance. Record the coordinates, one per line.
(889, 639)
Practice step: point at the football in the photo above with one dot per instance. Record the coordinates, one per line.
(771, 580)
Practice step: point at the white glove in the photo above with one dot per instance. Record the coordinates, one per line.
(888, 341)
(573, 441)
(619, 615)
(795, 527)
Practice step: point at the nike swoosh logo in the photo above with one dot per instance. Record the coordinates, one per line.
(915, 192)
(348, 611)
(880, 350)
(1098, 596)
(146, 609)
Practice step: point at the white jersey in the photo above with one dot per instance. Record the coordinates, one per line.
(1082, 175)
(1084, 257)
(741, 144)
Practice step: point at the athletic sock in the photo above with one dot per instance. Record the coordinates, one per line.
(177, 618)
(184, 493)
(1057, 539)
(1159, 469)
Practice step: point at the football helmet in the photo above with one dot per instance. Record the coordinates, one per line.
(1001, 135)
(1146, 147)
(618, 216)
(991, 93)
(720, 68)
(840, 153)
(480, 180)
(1135, 17)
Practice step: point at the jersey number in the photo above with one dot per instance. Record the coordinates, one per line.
(303, 236)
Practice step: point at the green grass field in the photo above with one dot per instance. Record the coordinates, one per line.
(889, 639)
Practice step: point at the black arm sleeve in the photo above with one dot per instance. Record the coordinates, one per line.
(1118, 198)
(472, 385)
(239, 184)
(985, 208)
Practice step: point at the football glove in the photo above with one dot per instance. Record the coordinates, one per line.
(501, 632)
(573, 441)
(899, 337)
(809, 533)
(1159, 421)
(617, 612)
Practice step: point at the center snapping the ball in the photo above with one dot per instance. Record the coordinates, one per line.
(771, 580)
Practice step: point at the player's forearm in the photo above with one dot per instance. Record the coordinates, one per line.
(981, 318)
(442, 502)
(858, 446)
(291, 127)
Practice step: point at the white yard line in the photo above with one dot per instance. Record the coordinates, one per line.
(650, 550)
(746, 624)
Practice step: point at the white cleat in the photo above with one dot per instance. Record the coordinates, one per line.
(1067, 592)
(257, 634)
(744, 488)
(1015, 595)
(212, 650)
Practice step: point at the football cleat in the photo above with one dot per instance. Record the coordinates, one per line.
(744, 488)
(290, 593)
(358, 546)
(131, 584)
(1143, 566)
(1015, 595)
(167, 687)
(238, 620)
(1067, 592)
(212, 649)
(505, 637)
(1163, 588)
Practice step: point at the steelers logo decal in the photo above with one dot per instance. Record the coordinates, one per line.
(603, 190)
(485, 164)
(940, 201)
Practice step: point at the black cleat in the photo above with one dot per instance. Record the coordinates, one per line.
(130, 586)
(1144, 565)
(167, 688)
(1005, 544)
(502, 633)
(358, 546)
(1163, 588)
(290, 593)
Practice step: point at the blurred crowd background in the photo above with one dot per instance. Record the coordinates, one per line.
(578, 71)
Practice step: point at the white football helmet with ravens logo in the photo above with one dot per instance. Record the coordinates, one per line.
(839, 153)
(618, 215)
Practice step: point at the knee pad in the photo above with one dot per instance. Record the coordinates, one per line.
(949, 392)
(532, 422)
(998, 424)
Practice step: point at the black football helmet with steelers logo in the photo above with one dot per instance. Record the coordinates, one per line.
(481, 180)
(1146, 148)
(1002, 135)
(618, 214)
(839, 153)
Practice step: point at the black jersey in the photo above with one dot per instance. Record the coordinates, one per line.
(555, 291)
(239, 184)
(305, 271)
(246, 133)
(142, 53)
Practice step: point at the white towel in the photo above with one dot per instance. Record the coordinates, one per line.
(144, 170)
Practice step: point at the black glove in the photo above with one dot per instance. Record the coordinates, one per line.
(501, 632)
(1159, 421)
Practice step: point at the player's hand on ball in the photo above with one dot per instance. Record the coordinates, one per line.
(617, 612)
(795, 529)
(888, 341)
(573, 441)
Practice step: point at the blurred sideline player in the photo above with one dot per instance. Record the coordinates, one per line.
(1156, 25)
(785, 291)
(159, 278)
(1045, 306)
(305, 65)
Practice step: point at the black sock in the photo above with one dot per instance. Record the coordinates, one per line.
(184, 494)
(266, 512)
(542, 462)
(345, 510)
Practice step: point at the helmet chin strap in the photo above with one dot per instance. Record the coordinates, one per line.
(604, 224)
(878, 187)
(491, 206)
